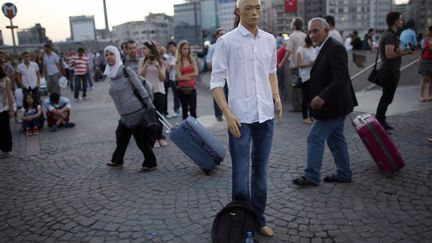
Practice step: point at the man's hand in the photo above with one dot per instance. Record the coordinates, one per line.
(317, 103)
(233, 123)
(278, 107)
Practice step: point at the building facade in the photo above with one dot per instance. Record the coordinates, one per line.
(158, 27)
(421, 12)
(33, 35)
(225, 10)
(82, 28)
(187, 23)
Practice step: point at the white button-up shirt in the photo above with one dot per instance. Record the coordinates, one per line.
(245, 62)
(28, 74)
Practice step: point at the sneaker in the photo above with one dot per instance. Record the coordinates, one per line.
(69, 125)
(173, 115)
(76, 99)
(163, 142)
(29, 132)
(156, 144)
(35, 130)
(85, 98)
(54, 128)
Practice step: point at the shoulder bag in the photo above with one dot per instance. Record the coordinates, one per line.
(374, 75)
(146, 117)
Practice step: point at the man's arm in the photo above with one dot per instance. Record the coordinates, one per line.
(393, 52)
(275, 94)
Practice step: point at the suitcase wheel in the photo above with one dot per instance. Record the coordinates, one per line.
(206, 172)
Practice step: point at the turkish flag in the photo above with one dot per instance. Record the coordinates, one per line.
(290, 6)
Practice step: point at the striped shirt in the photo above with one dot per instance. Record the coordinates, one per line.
(80, 64)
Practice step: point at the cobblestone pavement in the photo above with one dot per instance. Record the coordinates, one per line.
(57, 188)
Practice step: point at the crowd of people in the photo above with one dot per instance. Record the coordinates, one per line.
(247, 84)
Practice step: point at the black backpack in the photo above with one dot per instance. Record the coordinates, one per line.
(233, 222)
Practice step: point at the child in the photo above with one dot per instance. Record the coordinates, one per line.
(31, 116)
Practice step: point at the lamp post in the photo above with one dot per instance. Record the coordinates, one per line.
(10, 11)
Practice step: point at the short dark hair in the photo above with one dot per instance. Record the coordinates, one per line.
(172, 43)
(80, 50)
(219, 30)
(130, 42)
(25, 53)
(410, 24)
(298, 23)
(123, 45)
(308, 40)
(330, 20)
(392, 17)
(54, 97)
(48, 45)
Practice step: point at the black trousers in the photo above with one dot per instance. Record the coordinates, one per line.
(144, 140)
(159, 103)
(188, 103)
(390, 80)
(305, 99)
(5, 132)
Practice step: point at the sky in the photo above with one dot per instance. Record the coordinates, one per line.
(53, 15)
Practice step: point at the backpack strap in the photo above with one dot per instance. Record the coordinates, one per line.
(135, 91)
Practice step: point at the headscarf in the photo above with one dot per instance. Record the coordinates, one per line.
(111, 71)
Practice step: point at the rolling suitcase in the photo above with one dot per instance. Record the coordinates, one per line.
(378, 143)
(196, 142)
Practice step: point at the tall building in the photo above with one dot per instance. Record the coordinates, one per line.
(277, 21)
(358, 14)
(187, 22)
(225, 10)
(421, 12)
(157, 27)
(33, 35)
(208, 16)
(309, 9)
(133, 30)
(82, 28)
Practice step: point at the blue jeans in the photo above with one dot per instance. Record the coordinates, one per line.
(261, 136)
(332, 131)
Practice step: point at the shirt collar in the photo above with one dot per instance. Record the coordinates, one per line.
(245, 32)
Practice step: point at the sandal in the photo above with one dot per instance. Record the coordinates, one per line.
(302, 181)
(147, 168)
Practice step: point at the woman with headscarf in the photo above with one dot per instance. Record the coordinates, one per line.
(126, 103)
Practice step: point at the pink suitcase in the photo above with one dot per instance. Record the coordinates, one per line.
(378, 142)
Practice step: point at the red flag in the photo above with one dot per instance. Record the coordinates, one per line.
(290, 6)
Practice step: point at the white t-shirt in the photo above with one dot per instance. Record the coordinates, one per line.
(296, 40)
(308, 55)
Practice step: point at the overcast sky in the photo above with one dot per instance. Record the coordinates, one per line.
(54, 14)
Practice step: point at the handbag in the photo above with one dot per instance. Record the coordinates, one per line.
(374, 75)
(295, 79)
(145, 116)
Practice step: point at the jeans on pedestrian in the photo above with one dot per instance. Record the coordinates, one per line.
(331, 130)
(172, 84)
(305, 99)
(390, 80)
(80, 79)
(37, 122)
(71, 75)
(261, 137)
(90, 79)
(52, 83)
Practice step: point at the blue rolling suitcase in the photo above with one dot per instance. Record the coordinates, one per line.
(197, 143)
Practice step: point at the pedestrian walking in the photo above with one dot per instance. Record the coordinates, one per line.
(80, 64)
(246, 58)
(52, 69)
(171, 83)
(28, 76)
(333, 98)
(121, 91)
(391, 57)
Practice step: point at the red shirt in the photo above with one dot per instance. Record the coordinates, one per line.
(190, 83)
(280, 54)
(427, 51)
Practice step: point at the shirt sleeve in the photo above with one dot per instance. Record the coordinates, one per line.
(273, 61)
(220, 65)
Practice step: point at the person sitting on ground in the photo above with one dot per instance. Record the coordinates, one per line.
(31, 115)
(58, 111)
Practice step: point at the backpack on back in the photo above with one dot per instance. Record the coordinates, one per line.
(233, 222)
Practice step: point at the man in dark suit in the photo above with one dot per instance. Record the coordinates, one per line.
(333, 98)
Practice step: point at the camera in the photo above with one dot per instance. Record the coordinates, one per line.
(151, 57)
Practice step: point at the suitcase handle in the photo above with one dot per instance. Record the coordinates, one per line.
(164, 122)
